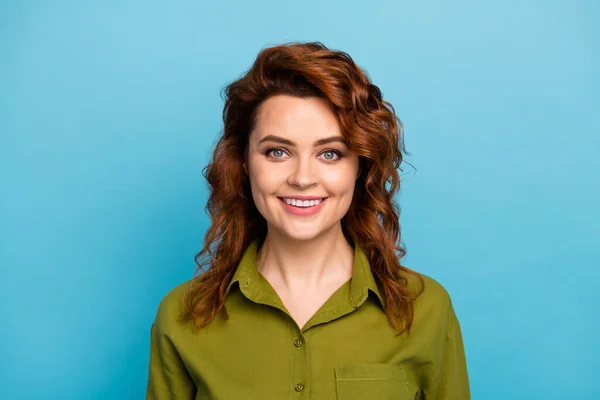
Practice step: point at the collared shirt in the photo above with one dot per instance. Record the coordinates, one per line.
(346, 351)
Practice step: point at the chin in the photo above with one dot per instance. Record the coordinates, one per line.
(300, 234)
(306, 236)
(311, 232)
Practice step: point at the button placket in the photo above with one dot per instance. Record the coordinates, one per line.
(299, 364)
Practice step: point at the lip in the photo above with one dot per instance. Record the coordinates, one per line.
(304, 211)
(304, 197)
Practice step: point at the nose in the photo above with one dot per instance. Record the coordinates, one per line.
(302, 175)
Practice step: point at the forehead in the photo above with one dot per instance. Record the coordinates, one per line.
(299, 119)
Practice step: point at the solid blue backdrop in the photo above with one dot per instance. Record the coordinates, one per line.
(109, 110)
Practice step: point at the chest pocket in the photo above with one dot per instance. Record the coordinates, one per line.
(372, 381)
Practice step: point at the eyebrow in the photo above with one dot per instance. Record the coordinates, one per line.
(320, 142)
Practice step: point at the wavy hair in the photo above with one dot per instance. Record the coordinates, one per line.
(373, 132)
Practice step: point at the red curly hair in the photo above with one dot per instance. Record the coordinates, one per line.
(373, 132)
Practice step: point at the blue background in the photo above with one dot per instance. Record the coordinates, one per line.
(108, 113)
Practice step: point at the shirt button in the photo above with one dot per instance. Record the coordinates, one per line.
(298, 342)
(299, 387)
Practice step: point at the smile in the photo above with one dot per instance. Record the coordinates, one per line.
(302, 203)
(302, 207)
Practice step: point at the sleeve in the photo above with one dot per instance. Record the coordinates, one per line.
(454, 380)
(168, 378)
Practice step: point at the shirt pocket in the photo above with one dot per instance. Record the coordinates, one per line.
(371, 381)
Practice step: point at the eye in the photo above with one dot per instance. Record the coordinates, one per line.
(330, 153)
(279, 153)
(276, 152)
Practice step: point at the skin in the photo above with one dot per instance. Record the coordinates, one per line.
(304, 258)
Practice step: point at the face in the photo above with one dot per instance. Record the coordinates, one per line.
(296, 151)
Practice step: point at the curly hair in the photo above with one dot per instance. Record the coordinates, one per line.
(373, 132)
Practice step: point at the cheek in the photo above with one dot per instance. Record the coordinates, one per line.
(264, 181)
(341, 182)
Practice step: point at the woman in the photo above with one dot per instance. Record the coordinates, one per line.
(305, 296)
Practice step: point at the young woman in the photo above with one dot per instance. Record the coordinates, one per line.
(305, 296)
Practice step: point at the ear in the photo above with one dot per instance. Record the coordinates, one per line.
(245, 169)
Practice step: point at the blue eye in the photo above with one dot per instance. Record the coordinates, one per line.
(334, 152)
(278, 153)
(278, 150)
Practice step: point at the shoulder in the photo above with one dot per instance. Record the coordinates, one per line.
(434, 302)
(432, 290)
(170, 308)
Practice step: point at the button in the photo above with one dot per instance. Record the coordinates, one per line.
(299, 387)
(247, 283)
(298, 342)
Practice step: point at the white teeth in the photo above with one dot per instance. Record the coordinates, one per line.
(300, 203)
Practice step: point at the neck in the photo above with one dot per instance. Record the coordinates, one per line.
(302, 266)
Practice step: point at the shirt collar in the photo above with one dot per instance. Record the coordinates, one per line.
(363, 281)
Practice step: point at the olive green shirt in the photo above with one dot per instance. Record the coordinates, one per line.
(346, 351)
